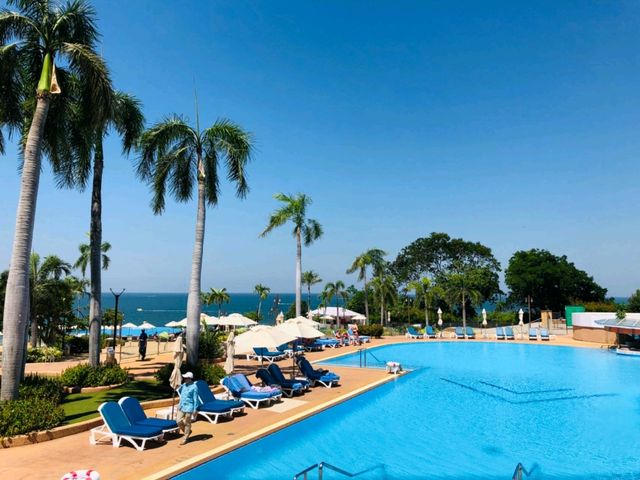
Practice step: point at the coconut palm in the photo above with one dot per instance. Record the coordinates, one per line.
(373, 257)
(310, 278)
(216, 296)
(384, 292)
(459, 289)
(425, 293)
(335, 290)
(263, 292)
(122, 114)
(42, 45)
(175, 155)
(85, 257)
(305, 230)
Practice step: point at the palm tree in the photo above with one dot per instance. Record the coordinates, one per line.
(85, 256)
(31, 39)
(425, 293)
(122, 114)
(373, 257)
(310, 278)
(175, 155)
(305, 230)
(459, 290)
(335, 290)
(216, 296)
(384, 292)
(263, 292)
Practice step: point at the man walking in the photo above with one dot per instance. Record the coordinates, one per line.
(189, 402)
(142, 344)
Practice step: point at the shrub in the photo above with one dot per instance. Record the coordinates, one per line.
(29, 415)
(210, 373)
(42, 388)
(372, 330)
(107, 341)
(502, 318)
(84, 375)
(600, 306)
(78, 344)
(43, 354)
(210, 345)
(634, 302)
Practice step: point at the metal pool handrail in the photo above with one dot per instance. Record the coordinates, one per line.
(362, 357)
(322, 465)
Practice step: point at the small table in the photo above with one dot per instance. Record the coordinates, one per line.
(165, 413)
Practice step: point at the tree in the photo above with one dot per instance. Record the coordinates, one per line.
(335, 290)
(177, 156)
(85, 256)
(460, 288)
(551, 281)
(385, 293)
(373, 257)
(216, 296)
(305, 230)
(425, 293)
(310, 278)
(263, 292)
(632, 306)
(31, 40)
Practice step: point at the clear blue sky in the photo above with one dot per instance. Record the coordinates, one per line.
(510, 123)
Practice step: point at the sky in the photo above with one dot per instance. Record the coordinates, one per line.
(515, 124)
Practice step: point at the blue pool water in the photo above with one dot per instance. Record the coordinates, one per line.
(469, 410)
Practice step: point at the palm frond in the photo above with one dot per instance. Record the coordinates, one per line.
(128, 119)
(311, 231)
(14, 25)
(277, 219)
(76, 23)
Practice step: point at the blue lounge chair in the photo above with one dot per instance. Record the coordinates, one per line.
(323, 377)
(460, 333)
(212, 405)
(323, 343)
(134, 412)
(508, 333)
(261, 354)
(499, 333)
(470, 333)
(533, 334)
(413, 333)
(277, 374)
(430, 332)
(544, 334)
(288, 351)
(357, 337)
(117, 428)
(249, 395)
(288, 387)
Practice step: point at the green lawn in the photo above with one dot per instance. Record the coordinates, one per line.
(83, 406)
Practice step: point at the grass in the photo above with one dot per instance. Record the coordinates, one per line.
(83, 406)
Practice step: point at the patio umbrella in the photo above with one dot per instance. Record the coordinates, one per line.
(235, 320)
(231, 351)
(175, 380)
(280, 318)
(261, 336)
(172, 324)
(147, 326)
(129, 325)
(305, 320)
(300, 329)
(359, 318)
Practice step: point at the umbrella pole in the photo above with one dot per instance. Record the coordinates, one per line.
(173, 401)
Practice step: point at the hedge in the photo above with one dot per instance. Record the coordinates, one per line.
(210, 373)
(84, 375)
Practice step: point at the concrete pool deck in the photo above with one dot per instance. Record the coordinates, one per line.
(54, 458)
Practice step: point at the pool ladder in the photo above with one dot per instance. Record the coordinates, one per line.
(520, 472)
(322, 465)
(363, 353)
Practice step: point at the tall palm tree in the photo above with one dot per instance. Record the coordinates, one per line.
(335, 290)
(175, 155)
(216, 296)
(374, 257)
(384, 292)
(310, 278)
(46, 44)
(263, 292)
(121, 113)
(425, 293)
(85, 257)
(459, 289)
(305, 230)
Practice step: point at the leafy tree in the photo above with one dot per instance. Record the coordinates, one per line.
(335, 290)
(462, 289)
(425, 294)
(291, 311)
(374, 258)
(634, 302)
(32, 38)
(310, 278)
(263, 292)
(109, 316)
(385, 293)
(305, 230)
(551, 281)
(85, 256)
(177, 156)
(216, 296)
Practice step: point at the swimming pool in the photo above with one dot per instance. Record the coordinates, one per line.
(469, 410)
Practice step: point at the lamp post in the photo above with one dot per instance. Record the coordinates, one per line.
(115, 321)
(484, 323)
(440, 320)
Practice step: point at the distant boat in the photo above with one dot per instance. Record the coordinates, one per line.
(138, 309)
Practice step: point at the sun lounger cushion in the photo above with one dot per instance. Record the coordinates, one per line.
(134, 412)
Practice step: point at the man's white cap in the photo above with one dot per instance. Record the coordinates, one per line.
(187, 375)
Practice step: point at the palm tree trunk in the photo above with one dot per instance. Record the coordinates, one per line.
(16, 305)
(193, 301)
(95, 260)
(464, 312)
(309, 297)
(298, 273)
(366, 299)
(259, 305)
(34, 325)
(337, 314)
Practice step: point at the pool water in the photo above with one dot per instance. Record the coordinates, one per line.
(468, 410)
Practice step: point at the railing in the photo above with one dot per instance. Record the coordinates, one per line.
(322, 465)
(363, 353)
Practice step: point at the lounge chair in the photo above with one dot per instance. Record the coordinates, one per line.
(117, 428)
(323, 377)
(533, 334)
(250, 396)
(357, 337)
(500, 333)
(324, 343)
(413, 333)
(430, 332)
(544, 334)
(460, 333)
(134, 412)
(277, 374)
(470, 333)
(212, 408)
(288, 387)
(288, 351)
(261, 354)
(508, 333)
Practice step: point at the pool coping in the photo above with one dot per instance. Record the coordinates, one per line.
(197, 460)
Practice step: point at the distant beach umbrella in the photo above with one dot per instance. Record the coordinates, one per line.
(129, 325)
(147, 326)
(305, 320)
(262, 336)
(172, 324)
(175, 380)
(299, 329)
(358, 318)
(231, 351)
(235, 320)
